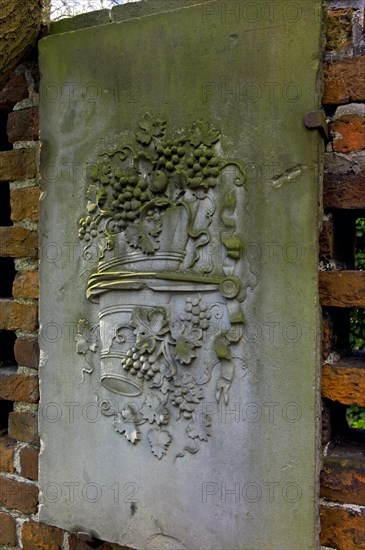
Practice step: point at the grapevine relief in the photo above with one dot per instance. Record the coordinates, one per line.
(170, 303)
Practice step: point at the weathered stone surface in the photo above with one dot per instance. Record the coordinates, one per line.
(23, 125)
(18, 387)
(18, 242)
(344, 189)
(29, 462)
(19, 164)
(343, 475)
(339, 29)
(24, 203)
(37, 536)
(343, 81)
(7, 447)
(16, 495)
(26, 352)
(349, 133)
(7, 530)
(26, 285)
(14, 90)
(230, 198)
(15, 316)
(344, 381)
(23, 426)
(342, 528)
(342, 288)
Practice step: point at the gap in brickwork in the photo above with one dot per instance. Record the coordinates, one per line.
(345, 238)
(5, 145)
(7, 270)
(7, 342)
(6, 407)
(340, 318)
(5, 212)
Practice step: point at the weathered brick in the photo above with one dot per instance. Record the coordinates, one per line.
(7, 448)
(18, 242)
(25, 203)
(14, 316)
(326, 240)
(344, 190)
(343, 476)
(342, 528)
(342, 288)
(16, 495)
(15, 90)
(344, 381)
(23, 426)
(26, 351)
(344, 81)
(327, 337)
(7, 530)
(38, 536)
(23, 125)
(339, 29)
(349, 133)
(18, 387)
(29, 463)
(19, 164)
(26, 284)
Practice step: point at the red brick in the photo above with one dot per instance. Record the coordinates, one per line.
(26, 352)
(339, 29)
(25, 203)
(23, 125)
(344, 81)
(343, 478)
(7, 448)
(26, 284)
(16, 495)
(342, 288)
(327, 337)
(23, 426)
(342, 528)
(29, 463)
(344, 381)
(15, 90)
(14, 316)
(351, 130)
(18, 387)
(19, 164)
(38, 536)
(18, 242)
(344, 190)
(7, 530)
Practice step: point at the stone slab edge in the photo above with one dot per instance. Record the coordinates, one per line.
(120, 13)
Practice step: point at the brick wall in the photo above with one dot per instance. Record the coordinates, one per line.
(341, 288)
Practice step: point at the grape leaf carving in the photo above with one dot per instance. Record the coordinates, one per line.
(153, 410)
(125, 424)
(159, 441)
(199, 428)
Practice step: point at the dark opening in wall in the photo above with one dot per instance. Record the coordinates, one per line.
(6, 407)
(7, 341)
(7, 275)
(5, 213)
(4, 143)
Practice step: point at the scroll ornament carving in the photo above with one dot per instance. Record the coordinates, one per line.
(153, 204)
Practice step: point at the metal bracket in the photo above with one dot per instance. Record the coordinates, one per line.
(89, 539)
(317, 120)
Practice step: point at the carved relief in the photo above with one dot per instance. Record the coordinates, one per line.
(170, 298)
